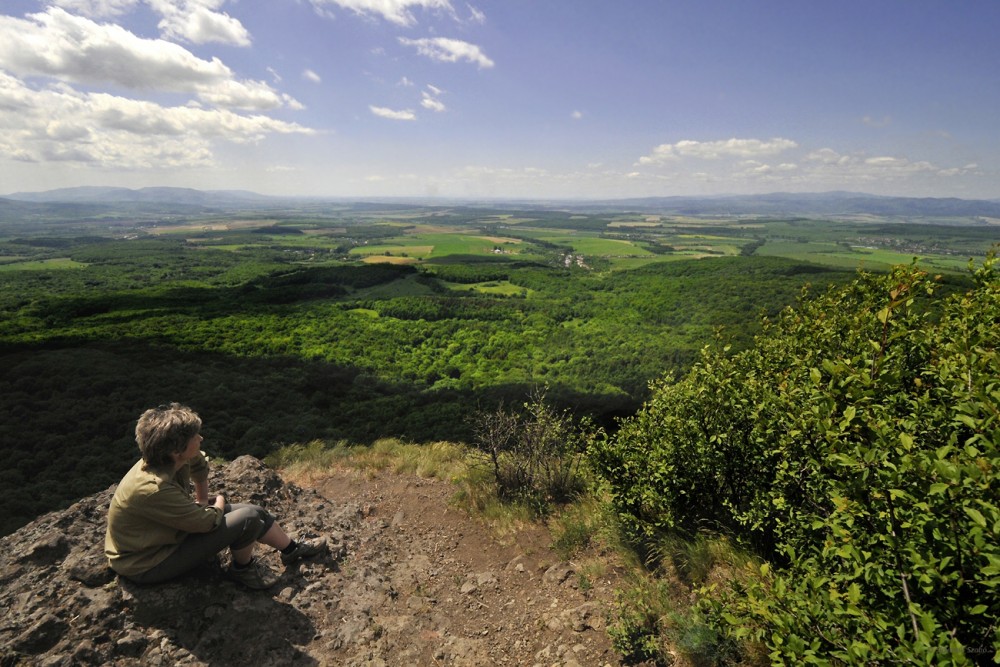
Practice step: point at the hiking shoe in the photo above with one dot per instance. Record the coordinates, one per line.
(304, 549)
(256, 575)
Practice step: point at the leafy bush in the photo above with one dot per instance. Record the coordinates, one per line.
(855, 448)
(535, 455)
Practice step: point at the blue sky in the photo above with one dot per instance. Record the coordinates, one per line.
(502, 98)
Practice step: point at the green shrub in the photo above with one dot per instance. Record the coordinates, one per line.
(636, 624)
(535, 455)
(855, 448)
(576, 527)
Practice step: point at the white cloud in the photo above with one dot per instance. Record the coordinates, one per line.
(246, 95)
(960, 171)
(97, 8)
(576, 115)
(446, 50)
(828, 164)
(754, 167)
(828, 156)
(310, 75)
(75, 49)
(391, 114)
(394, 11)
(754, 170)
(714, 150)
(747, 165)
(61, 124)
(476, 15)
(430, 99)
(433, 104)
(899, 165)
(198, 21)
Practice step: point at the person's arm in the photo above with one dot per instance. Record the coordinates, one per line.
(201, 491)
(172, 507)
(199, 477)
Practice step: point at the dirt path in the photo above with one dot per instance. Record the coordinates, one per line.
(425, 584)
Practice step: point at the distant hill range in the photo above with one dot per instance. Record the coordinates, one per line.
(111, 195)
(825, 204)
(83, 203)
(90, 200)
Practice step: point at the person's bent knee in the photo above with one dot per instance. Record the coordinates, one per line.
(251, 521)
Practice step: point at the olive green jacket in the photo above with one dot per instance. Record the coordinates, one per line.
(152, 512)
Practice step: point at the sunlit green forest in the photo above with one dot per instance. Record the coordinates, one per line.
(359, 323)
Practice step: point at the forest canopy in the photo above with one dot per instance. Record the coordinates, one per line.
(365, 322)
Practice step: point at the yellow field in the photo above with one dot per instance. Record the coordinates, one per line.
(387, 259)
(499, 239)
(634, 223)
(221, 226)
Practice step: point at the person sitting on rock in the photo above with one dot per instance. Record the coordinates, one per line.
(156, 531)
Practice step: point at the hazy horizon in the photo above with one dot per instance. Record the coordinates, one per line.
(501, 100)
(37, 194)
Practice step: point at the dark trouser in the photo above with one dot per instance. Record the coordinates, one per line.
(241, 526)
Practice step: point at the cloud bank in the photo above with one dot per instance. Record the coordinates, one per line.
(78, 50)
(51, 60)
(714, 150)
(394, 11)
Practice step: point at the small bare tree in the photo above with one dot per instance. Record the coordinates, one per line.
(535, 453)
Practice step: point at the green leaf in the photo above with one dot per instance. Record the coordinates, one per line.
(967, 420)
(975, 515)
(938, 488)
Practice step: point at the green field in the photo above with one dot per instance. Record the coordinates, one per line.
(55, 263)
(497, 288)
(427, 246)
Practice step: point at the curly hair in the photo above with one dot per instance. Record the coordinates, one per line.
(165, 430)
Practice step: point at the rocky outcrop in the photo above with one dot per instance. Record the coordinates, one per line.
(62, 605)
